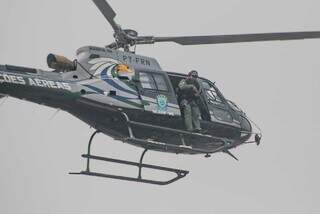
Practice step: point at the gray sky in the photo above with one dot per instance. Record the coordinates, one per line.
(276, 83)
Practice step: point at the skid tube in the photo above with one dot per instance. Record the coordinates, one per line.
(179, 173)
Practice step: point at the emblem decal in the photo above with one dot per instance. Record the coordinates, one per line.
(110, 68)
(162, 102)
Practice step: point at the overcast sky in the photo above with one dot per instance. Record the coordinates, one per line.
(276, 83)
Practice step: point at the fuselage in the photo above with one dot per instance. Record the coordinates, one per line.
(110, 87)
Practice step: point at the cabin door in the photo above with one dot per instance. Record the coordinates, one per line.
(156, 93)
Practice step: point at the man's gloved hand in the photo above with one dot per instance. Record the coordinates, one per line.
(184, 103)
(196, 91)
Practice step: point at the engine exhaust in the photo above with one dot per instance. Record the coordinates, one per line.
(61, 63)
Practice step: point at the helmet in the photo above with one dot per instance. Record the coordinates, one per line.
(193, 73)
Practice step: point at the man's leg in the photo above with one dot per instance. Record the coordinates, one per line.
(195, 116)
(188, 117)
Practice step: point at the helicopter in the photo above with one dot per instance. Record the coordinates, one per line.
(130, 98)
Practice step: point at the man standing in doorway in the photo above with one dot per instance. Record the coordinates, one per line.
(189, 92)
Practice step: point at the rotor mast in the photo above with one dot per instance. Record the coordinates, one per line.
(126, 38)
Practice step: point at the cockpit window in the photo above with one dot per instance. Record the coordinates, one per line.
(210, 92)
(161, 82)
(153, 81)
(147, 81)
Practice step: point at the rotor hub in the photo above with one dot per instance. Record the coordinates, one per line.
(125, 38)
(131, 34)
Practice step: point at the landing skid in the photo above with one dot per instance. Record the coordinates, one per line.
(179, 173)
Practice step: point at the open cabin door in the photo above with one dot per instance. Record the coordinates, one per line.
(156, 93)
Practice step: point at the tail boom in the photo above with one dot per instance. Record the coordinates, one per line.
(29, 84)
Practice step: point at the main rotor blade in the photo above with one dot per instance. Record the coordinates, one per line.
(216, 39)
(108, 13)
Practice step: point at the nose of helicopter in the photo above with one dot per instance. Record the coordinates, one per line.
(250, 129)
(246, 125)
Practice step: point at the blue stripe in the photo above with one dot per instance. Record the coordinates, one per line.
(120, 98)
(104, 72)
(98, 90)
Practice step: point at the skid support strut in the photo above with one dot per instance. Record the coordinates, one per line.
(178, 172)
(89, 149)
(140, 163)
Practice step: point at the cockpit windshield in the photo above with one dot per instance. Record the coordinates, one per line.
(213, 97)
(210, 92)
(234, 106)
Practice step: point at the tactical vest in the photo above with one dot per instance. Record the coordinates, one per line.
(189, 94)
